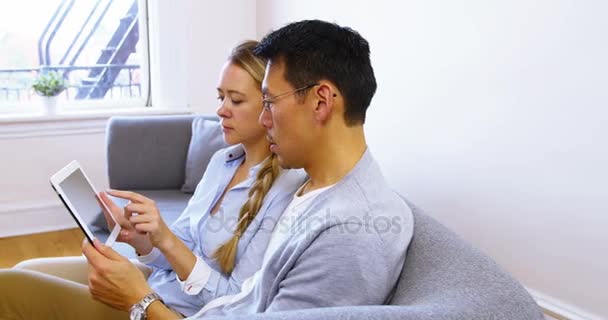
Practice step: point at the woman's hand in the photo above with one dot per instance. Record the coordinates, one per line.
(138, 240)
(142, 213)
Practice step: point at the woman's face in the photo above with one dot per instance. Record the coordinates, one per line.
(240, 106)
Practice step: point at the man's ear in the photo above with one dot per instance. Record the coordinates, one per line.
(326, 103)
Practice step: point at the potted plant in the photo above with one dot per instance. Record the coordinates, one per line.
(48, 86)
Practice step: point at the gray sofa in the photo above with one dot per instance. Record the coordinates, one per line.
(443, 277)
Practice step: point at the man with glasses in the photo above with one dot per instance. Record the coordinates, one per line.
(343, 239)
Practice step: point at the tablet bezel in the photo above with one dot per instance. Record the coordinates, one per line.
(56, 180)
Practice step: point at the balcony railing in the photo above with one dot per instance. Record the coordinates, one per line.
(15, 84)
(106, 77)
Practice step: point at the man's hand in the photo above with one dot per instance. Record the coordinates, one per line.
(113, 279)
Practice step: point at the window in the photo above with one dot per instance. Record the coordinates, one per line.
(98, 46)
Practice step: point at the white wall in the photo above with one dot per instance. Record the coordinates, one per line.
(216, 28)
(29, 157)
(191, 40)
(492, 116)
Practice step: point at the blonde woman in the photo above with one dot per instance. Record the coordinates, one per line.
(218, 241)
(220, 238)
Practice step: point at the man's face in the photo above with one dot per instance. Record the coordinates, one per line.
(287, 118)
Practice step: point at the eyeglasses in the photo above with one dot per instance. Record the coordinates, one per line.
(267, 102)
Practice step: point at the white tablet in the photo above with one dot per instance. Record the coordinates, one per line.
(80, 198)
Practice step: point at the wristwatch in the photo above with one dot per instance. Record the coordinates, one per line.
(138, 310)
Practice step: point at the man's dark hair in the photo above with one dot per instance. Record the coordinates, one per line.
(315, 50)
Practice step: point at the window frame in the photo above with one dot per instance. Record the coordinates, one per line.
(33, 108)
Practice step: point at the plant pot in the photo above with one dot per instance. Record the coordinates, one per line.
(49, 105)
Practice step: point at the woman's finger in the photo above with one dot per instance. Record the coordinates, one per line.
(116, 212)
(145, 227)
(139, 208)
(109, 203)
(141, 218)
(107, 215)
(129, 195)
(138, 213)
(134, 208)
(125, 224)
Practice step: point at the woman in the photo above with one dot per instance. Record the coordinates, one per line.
(220, 238)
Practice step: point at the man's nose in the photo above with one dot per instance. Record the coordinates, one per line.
(265, 119)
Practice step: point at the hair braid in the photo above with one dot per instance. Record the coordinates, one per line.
(225, 255)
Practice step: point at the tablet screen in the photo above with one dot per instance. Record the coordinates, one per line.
(83, 198)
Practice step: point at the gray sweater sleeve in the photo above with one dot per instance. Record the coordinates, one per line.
(345, 265)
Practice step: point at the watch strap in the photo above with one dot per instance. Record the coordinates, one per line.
(145, 302)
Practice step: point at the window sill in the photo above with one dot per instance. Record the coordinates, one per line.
(71, 115)
(16, 126)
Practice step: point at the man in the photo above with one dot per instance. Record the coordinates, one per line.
(343, 239)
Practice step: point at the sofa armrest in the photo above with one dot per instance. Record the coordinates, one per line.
(147, 152)
(351, 312)
(422, 310)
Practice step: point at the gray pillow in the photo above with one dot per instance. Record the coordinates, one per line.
(206, 140)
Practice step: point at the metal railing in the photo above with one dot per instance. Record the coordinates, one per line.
(103, 79)
(15, 84)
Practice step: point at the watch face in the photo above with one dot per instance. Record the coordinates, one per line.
(137, 313)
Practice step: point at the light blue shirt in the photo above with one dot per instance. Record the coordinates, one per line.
(203, 233)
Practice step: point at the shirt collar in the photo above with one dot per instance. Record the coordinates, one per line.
(234, 152)
(237, 152)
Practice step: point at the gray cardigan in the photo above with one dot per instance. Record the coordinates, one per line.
(346, 249)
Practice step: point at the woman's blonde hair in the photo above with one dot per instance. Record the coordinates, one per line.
(243, 57)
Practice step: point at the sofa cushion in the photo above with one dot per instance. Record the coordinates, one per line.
(206, 139)
(147, 152)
